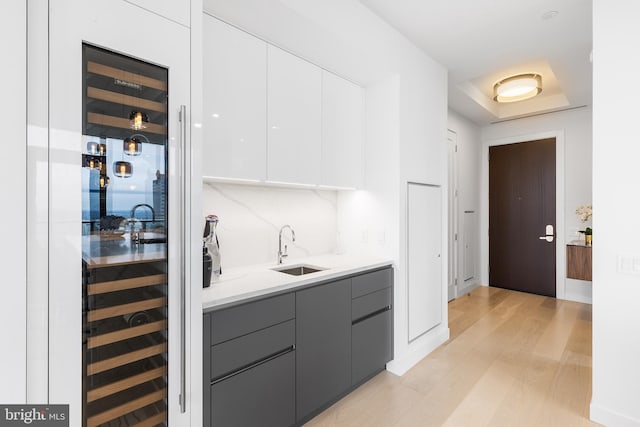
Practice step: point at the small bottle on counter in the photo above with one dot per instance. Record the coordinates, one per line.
(213, 246)
(207, 267)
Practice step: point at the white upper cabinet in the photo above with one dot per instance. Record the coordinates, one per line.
(342, 128)
(271, 116)
(294, 119)
(177, 11)
(234, 102)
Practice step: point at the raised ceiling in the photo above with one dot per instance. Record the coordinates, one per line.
(483, 41)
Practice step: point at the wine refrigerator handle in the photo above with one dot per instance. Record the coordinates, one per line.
(183, 239)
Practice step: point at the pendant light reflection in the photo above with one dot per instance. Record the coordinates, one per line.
(122, 169)
(132, 146)
(97, 149)
(93, 163)
(137, 120)
(104, 181)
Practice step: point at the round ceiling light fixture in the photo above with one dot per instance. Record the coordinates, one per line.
(517, 88)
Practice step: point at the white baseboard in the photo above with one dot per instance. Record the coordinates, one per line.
(418, 350)
(578, 291)
(466, 288)
(610, 418)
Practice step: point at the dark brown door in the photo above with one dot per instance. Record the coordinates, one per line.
(522, 203)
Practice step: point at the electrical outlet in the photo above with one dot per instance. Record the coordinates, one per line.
(365, 236)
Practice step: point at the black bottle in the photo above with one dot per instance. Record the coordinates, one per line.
(207, 267)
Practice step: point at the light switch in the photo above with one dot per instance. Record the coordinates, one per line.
(629, 263)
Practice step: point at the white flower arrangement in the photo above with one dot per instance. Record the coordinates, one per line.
(584, 212)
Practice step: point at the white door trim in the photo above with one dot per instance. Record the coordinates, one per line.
(452, 207)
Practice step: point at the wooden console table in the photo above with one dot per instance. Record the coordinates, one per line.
(578, 261)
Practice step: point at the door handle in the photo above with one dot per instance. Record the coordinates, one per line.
(548, 233)
(182, 167)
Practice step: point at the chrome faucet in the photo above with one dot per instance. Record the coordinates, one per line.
(135, 235)
(293, 239)
(132, 214)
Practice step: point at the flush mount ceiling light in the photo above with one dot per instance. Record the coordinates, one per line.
(517, 88)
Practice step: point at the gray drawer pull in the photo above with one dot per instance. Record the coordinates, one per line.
(253, 365)
(370, 315)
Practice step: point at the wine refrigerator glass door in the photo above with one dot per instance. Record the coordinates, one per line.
(124, 240)
(118, 77)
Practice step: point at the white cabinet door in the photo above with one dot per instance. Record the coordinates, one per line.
(424, 261)
(294, 119)
(342, 118)
(234, 102)
(177, 11)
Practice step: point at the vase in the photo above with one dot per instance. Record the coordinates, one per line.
(587, 239)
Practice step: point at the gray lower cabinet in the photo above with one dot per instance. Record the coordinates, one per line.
(372, 346)
(372, 324)
(249, 364)
(261, 396)
(280, 360)
(323, 345)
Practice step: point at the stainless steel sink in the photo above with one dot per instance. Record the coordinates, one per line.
(298, 270)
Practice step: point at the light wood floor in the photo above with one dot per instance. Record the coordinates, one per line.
(514, 359)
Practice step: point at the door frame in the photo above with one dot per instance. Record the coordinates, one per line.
(560, 197)
(453, 233)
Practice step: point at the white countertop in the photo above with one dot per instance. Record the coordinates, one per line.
(244, 283)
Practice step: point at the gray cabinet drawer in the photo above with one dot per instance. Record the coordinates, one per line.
(263, 396)
(241, 352)
(371, 282)
(233, 322)
(371, 346)
(370, 303)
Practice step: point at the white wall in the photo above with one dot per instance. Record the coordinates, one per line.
(346, 38)
(251, 217)
(574, 131)
(13, 183)
(616, 179)
(468, 178)
(368, 219)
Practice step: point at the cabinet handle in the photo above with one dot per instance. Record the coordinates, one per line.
(370, 315)
(253, 364)
(182, 163)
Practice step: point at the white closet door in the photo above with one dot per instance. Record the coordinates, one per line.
(13, 218)
(424, 258)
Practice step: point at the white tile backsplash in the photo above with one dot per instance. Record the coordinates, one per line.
(251, 217)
